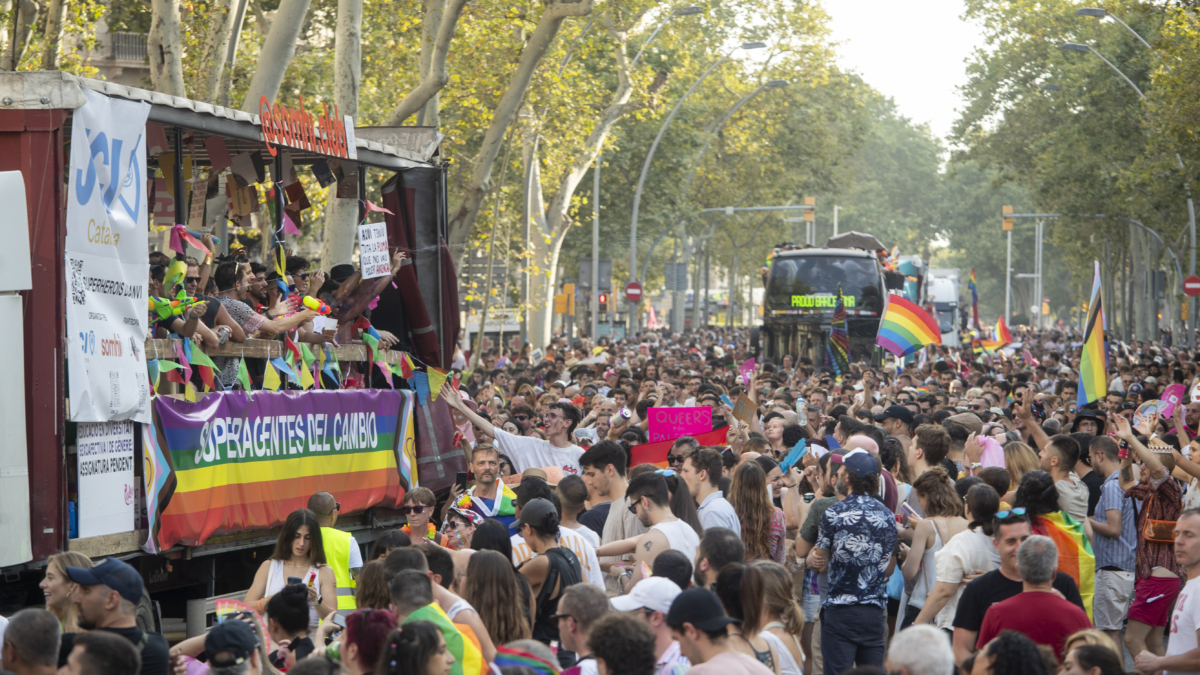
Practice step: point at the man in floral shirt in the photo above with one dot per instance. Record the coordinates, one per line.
(856, 544)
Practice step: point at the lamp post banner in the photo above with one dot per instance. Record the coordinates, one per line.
(106, 269)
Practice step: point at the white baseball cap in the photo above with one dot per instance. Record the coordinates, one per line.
(656, 593)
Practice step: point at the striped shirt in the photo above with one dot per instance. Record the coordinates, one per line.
(1115, 551)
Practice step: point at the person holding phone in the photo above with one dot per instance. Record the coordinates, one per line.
(299, 554)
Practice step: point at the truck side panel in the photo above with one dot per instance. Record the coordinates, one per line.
(31, 141)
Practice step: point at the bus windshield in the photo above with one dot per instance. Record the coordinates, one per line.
(811, 283)
(945, 317)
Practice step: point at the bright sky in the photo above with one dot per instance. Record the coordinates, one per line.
(912, 50)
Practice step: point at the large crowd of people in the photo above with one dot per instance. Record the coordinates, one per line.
(958, 513)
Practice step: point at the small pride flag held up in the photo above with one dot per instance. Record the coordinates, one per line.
(905, 327)
(1002, 334)
(1092, 384)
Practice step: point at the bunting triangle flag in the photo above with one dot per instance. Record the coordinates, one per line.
(271, 378)
(387, 373)
(152, 372)
(306, 355)
(295, 351)
(455, 381)
(397, 369)
(183, 360)
(199, 358)
(420, 384)
(283, 367)
(171, 369)
(243, 377)
(206, 375)
(280, 260)
(406, 366)
(316, 372)
(437, 378)
(372, 343)
(189, 393)
(306, 377)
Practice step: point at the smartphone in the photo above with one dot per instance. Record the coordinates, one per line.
(460, 479)
(808, 497)
(295, 580)
(339, 620)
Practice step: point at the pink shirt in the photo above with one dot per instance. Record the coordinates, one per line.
(731, 663)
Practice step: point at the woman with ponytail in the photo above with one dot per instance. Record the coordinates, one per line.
(942, 522)
(417, 648)
(968, 554)
(741, 589)
(784, 618)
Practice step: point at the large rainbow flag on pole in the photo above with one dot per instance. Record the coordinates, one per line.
(1092, 384)
(974, 300)
(1002, 334)
(905, 327)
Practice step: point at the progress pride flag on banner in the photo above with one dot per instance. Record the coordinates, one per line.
(667, 424)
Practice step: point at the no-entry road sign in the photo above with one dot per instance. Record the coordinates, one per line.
(633, 290)
(1191, 285)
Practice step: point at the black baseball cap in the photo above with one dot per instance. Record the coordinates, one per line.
(113, 573)
(535, 513)
(899, 412)
(229, 643)
(699, 607)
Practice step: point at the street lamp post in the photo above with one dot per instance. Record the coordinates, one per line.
(1191, 322)
(637, 196)
(1100, 14)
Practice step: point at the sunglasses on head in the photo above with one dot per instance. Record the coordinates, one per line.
(1019, 511)
(666, 472)
(410, 510)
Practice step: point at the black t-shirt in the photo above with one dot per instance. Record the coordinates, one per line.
(594, 518)
(1093, 480)
(950, 467)
(156, 656)
(994, 587)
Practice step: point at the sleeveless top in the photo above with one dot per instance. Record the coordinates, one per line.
(927, 576)
(787, 664)
(763, 657)
(680, 537)
(565, 566)
(277, 579)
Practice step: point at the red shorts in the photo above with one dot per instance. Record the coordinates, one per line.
(1153, 599)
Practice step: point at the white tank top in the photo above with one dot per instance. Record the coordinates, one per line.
(680, 536)
(276, 580)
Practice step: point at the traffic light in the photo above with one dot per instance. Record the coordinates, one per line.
(810, 215)
(603, 300)
(1006, 221)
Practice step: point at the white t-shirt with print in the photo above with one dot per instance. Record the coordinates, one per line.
(1185, 620)
(534, 453)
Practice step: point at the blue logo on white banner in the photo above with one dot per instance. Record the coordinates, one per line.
(107, 273)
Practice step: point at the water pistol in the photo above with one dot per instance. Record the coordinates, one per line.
(167, 308)
(316, 305)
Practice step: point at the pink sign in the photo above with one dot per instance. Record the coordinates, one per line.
(1170, 398)
(747, 371)
(667, 424)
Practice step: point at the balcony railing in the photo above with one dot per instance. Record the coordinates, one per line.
(126, 47)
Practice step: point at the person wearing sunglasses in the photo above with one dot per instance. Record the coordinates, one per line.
(341, 550)
(419, 504)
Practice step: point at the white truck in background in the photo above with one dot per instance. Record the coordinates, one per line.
(944, 292)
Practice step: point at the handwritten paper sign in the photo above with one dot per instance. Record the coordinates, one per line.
(744, 409)
(670, 423)
(373, 250)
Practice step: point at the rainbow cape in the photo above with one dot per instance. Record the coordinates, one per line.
(1075, 556)
(1092, 384)
(905, 327)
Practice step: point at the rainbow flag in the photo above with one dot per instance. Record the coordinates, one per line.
(1002, 334)
(837, 349)
(905, 327)
(1092, 384)
(974, 299)
(1075, 557)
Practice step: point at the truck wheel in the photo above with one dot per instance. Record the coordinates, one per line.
(147, 619)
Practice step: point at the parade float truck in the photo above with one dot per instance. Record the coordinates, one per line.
(802, 294)
(102, 453)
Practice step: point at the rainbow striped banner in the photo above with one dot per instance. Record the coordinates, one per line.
(1092, 384)
(1075, 556)
(905, 327)
(227, 463)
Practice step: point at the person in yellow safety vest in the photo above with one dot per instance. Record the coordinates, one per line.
(341, 550)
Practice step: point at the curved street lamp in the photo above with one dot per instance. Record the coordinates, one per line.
(637, 196)
(1100, 14)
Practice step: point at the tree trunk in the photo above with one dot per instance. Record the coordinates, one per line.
(55, 17)
(23, 24)
(435, 47)
(276, 54)
(463, 217)
(165, 48)
(216, 49)
(341, 218)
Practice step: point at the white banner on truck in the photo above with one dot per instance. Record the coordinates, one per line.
(106, 266)
(106, 488)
